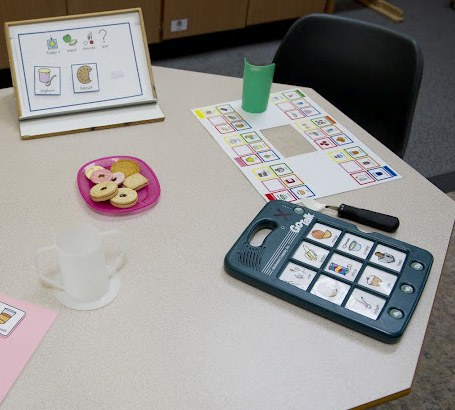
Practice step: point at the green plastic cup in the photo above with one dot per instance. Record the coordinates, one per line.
(257, 82)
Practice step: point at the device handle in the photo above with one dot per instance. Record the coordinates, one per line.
(118, 262)
(41, 276)
(377, 220)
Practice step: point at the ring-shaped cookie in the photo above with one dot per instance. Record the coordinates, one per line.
(118, 177)
(101, 175)
(88, 171)
(103, 191)
(125, 198)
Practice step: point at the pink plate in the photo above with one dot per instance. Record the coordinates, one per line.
(147, 196)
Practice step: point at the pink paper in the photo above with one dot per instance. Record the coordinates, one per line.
(18, 347)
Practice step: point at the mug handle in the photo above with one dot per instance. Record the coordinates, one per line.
(118, 262)
(43, 278)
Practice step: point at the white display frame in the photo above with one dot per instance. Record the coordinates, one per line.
(91, 62)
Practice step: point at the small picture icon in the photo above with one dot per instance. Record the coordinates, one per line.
(6, 315)
(52, 44)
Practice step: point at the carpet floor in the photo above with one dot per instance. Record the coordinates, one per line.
(434, 382)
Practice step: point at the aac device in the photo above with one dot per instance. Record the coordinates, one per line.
(366, 281)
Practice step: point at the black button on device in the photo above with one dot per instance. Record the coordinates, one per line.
(396, 313)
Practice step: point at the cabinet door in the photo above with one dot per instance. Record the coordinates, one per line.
(151, 10)
(265, 11)
(187, 18)
(13, 10)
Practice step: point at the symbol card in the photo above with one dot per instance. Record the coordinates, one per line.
(324, 234)
(297, 275)
(233, 117)
(330, 289)
(47, 81)
(311, 254)
(10, 317)
(294, 115)
(301, 103)
(302, 191)
(343, 267)
(224, 109)
(85, 78)
(234, 141)
(310, 111)
(365, 303)
(251, 137)
(377, 280)
(264, 173)
(292, 95)
(355, 245)
(388, 257)
(362, 178)
(320, 122)
(277, 98)
(283, 195)
(281, 169)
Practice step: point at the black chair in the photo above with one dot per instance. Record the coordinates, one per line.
(369, 72)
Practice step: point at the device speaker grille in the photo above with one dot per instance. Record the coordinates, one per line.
(251, 256)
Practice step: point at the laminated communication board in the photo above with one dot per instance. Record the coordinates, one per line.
(333, 160)
(81, 64)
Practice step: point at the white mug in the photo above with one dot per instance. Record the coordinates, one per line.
(85, 276)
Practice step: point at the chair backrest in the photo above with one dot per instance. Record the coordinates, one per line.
(369, 72)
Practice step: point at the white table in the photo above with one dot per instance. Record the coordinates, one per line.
(182, 334)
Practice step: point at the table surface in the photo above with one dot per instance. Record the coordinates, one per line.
(182, 334)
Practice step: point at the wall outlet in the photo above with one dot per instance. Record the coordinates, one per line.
(179, 25)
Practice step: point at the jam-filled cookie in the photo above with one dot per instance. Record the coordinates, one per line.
(103, 191)
(125, 198)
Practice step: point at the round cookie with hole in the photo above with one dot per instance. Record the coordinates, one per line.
(125, 198)
(103, 191)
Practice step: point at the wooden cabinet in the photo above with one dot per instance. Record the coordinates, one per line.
(182, 18)
(168, 19)
(12, 10)
(151, 11)
(266, 11)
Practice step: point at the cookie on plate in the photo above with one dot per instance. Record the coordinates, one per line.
(125, 198)
(127, 166)
(88, 171)
(103, 191)
(136, 181)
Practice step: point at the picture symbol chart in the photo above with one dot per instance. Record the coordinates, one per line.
(339, 162)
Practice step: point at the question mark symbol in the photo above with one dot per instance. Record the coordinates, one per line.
(105, 33)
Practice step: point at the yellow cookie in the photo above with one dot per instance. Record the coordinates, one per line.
(103, 191)
(83, 74)
(135, 181)
(125, 198)
(127, 166)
